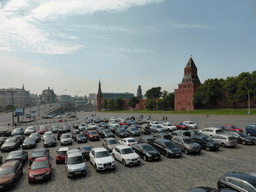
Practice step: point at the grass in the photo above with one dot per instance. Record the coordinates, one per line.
(196, 112)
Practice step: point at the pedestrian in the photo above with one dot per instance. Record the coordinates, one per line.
(163, 118)
(65, 120)
(142, 116)
(149, 117)
(95, 115)
(207, 115)
(166, 118)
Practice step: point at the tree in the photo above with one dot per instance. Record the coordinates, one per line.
(9, 107)
(120, 103)
(165, 94)
(230, 85)
(149, 103)
(133, 101)
(243, 86)
(105, 104)
(111, 104)
(170, 100)
(154, 93)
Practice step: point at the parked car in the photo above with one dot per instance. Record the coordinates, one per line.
(233, 128)
(113, 129)
(89, 121)
(103, 124)
(76, 124)
(238, 181)
(163, 136)
(207, 143)
(49, 141)
(19, 155)
(101, 159)
(92, 125)
(209, 189)
(10, 173)
(55, 128)
(92, 136)
(157, 129)
(243, 138)
(39, 153)
(80, 138)
(40, 170)
(113, 119)
(10, 144)
(66, 127)
(85, 150)
(122, 133)
(5, 133)
(61, 155)
(36, 136)
(169, 126)
(147, 140)
(75, 164)
(251, 129)
(46, 134)
(29, 143)
(105, 120)
(212, 131)
(62, 131)
(145, 129)
(65, 139)
(2, 140)
(133, 131)
(113, 123)
(187, 133)
(97, 120)
(147, 152)
(190, 124)
(30, 130)
(82, 127)
(225, 140)
(18, 131)
(42, 129)
(167, 148)
(20, 137)
(47, 117)
(181, 126)
(126, 155)
(109, 143)
(153, 123)
(107, 134)
(128, 141)
(186, 144)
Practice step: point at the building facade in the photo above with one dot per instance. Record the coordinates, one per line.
(184, 93)
(48, 96)
(20, 98)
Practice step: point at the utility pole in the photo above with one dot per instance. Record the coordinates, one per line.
(12, 107)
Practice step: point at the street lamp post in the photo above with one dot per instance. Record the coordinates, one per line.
(12, 107)
(249, 110)
(76, 102)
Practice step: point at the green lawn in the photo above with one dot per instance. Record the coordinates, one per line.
(197, 112)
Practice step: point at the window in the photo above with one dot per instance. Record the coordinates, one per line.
(247, 187)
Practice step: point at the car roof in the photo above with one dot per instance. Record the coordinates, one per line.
(182, 137)
(123, 146)
(64, 149)
(163, 140)
(99, 149)
(108, 139)
(40, 159)
(9, 164)
(213, 128)
(74, 154)
(250, 178)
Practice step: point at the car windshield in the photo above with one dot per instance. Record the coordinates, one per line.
(197, 132)
(6, 170)
(111, 142)
(167, 137)
(39, 165)
(169, 124)
(122, 131)
(30, 129)
(75, 160)
(3, 138)
(219, 131)
(169, 144)
(156, 122)
(102, 154)
(133, 129)
(65, 136)
(62, 152)
(190, 122)
(93, 133)
(207, 139)
(34, 135)
(39, 153)
(43, 128)
(187, 141)
(126, 151)
(86, 148)
(242, 134)
(18, 129)
(107, 131)
(14, 154)
(147, 148)
(79, 136)
(10, 140)
(131, 141)
(158, 126)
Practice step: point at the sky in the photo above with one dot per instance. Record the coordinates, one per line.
(69, 45)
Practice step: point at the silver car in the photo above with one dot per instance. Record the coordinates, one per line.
(186, 144)
(75, 164)
(225, 140)
(65, 139)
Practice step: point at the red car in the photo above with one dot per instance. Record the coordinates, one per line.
(233, 128)
(40, 170)
(42, 129)
(181, 126)
(92, 135)
(61, 155)
(123, 123)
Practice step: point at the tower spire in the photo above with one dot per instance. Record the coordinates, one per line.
(99, 89)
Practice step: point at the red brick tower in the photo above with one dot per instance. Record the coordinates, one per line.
(99, 97)
(184, 93)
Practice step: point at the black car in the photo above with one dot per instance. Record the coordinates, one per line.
(207, 143)
(105, 120)
(10, 144)
(74, 133)
(124, 127)
(20, 137)
(85, 150)
(209, 189)
(5, 133)
(113, 129)
(36, 136)
(103, 124)
(28, 143)
(20, 155)
(66, 127)
(2, 140)
(49, 141)
(133, 131)
(107, 134)
(243, 138)
(60, 132)
(80, 138)
(163, 136)
(39, 153)
(145, 129)
(167, 148)
(89, 121)
(97, 120)
(122, 133)
(99, 130)
(238, 181)
(147, 152)
(147, 140)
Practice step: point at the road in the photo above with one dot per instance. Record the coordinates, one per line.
(169, 174)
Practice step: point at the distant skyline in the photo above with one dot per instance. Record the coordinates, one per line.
(71, 45)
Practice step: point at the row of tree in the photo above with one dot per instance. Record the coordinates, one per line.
(232, 90)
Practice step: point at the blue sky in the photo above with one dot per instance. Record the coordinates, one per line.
(73, 44)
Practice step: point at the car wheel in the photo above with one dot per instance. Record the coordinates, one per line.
(186, 151)
(124, 163)
(145, 158)
(223, 145)
(207, 148)
(243, 142)
(167, 154)
(249, 134)
(57, 162)
(114, 156)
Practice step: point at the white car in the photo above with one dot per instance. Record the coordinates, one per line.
(113, 123)
(65, 139)
(30, 130)
(58, 117)
(126, 155)
(113, 119)
(101, 159)
(190, 124)
(82, 127)
(46, 134)
(212, 131)
(168, 126)
(153, 123)
(92, 125)
(128, 141)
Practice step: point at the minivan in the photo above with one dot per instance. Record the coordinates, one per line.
(251, 129)
(75, 164)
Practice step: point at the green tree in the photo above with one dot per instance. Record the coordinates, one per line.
(105, 104)
(111, 104)
(170, 100)
(165, 94)
(9, 107)
(243, 86)
(253, 86)
(120, 103)
(230, 85)
(133, 102)
(149, 104)
(154, 93)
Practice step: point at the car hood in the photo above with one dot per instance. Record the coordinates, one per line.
(39, 171)
(213, 143)
(153, 152)
(250, 138)
(95, 135)
(66, 139)
(193, 145)
(174, 149)
(109, 134)
(5, 178)
(76, 166)
(112, 146)
(104, 159)
(131, 156)
(8, 145)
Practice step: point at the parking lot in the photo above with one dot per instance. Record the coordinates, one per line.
(168, 174)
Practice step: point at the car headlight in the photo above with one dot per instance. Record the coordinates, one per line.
(30, 175)
(148, 154)
(128, 159)
(9, 181)
(100, 164)
(47, 173)
(169, 151)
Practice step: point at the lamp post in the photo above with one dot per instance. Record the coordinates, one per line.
(76, 102)
(249, 110)
(61, 102)
(12, 107)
